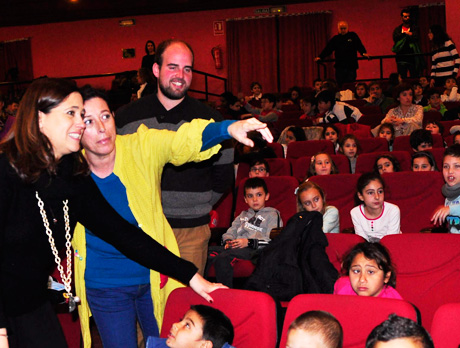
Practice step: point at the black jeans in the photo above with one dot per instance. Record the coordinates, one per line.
(343, 75)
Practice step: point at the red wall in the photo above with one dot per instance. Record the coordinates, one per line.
(94, 46)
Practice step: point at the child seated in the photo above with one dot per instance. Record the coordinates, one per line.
(315, 329)
(434, 102)
(249, 232)
(419, 98)
(334, 112)
(259, 168)
(289, 135)
(401, 332)
(386, 163)
(435, 127)
(349, 146)
(367, 271)
(423, 161)
(421, 140)
(387, 131)
(201, 326)
(331, 133)
(450, 190)
(322, 164)
(373, 218)
(308, 106)
(311, 197)
(451, 90)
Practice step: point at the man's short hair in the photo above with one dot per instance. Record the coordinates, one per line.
(405, 10)
(164, 45)
(420, 136)
(260, 161)
(217, 327)
(321, 323)
(270, 97)
(399, 327)
(253, 183)
(375, 83)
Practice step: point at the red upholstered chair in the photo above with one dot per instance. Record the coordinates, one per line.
(339, 244)
(301, 165)
(365, 161)
(417, 194)
(445, 329)
(292, 114)
(358, 315)
(402, 143)
(224, 209)
(438, 153)
(447, 125)
(253, 314)
(373, 145)
(431, 116)
(298, 149)
(370, 109)
(357, 129)
(356, 103)
(449, 139)
(428, 270)
(372, 120)
(278, 148)
(451, 104)
(278, 167)
(340, 191)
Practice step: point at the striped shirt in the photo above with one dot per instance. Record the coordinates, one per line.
(445, 60)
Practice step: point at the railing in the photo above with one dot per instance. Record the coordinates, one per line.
(204, 92)
(322, 64)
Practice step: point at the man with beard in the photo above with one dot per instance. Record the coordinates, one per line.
(406, 41)
(188, 191)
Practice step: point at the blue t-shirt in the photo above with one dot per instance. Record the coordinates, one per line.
(106, 267)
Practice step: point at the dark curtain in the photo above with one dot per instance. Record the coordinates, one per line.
(301, 39)
(16, 61)
(251, 46)
(427, 16)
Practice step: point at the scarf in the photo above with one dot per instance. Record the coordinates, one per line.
(451, 192)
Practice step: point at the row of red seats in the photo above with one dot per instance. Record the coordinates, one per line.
(428, 276)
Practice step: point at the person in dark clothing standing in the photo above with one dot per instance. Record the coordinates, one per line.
(345, 44)
(406, 41)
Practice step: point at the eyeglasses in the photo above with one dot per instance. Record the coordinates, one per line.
(258, 169)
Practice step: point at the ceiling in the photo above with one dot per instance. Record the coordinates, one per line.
(28, 12)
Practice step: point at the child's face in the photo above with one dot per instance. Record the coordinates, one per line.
(457, 139)
(331, 135)
(435, 101)
(405, 98)
(256, 198)
(366, 278)
(372, 195)
(424, 146)
(294, 95)
(418, 90)
(187, 333)
(421, 164)
(433, 128)
(451, 170)
(323, 106)
(384, 165)
(423, 81)
(236, 106)
(306, 107)
(317, 86)
(256, 90)
(290, 137)
(405, 342)
(450, 83)
(258, 171)
(311, 200)
(298, 338)
(323, 165)
(360, 91)
(385, 133)
(350, 148)
(266, 104)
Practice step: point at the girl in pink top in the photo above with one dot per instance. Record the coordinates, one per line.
(368, 272)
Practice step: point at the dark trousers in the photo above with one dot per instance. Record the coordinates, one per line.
(405, 66)
(38, 329)
(223, 259)
(343, 75)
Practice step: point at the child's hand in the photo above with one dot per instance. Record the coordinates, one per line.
(239, 243)
(440, 215)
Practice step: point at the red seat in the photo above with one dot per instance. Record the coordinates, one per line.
(449, 140)
(445, 330)
(224, 208)
(292, 114)
(356, 103)
(283, 123)
(365, 162)
(278, 167)
(298, 149)
(438, 154)
(290, 107)
(428, 270)
(370, 109)
(358, 315)
(451, 104)
(340, 190)
(339, 244)
(447, 125)
(251, 313)
(431, 116)
(301, 165)
(373, 145)
(417, 194)
(358, 130)
(278, 149)
(402, 143)
(372, 120)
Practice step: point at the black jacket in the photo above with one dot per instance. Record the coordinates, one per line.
(296, 261)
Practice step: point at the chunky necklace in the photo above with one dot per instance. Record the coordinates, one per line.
(66, 277)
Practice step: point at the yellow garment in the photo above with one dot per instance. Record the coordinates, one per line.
(139, 162)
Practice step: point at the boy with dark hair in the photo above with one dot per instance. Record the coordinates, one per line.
(259, 168)
(398, 331)
(434, 102)
(202, 327)
(419, 98)
(333, 111)
(421, 140)
(451, 90)
(308, 106)
(249, 232)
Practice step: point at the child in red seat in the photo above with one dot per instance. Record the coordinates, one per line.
(349, 146)
(368, 271)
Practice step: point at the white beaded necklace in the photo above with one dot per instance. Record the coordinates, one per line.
(66, 277)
